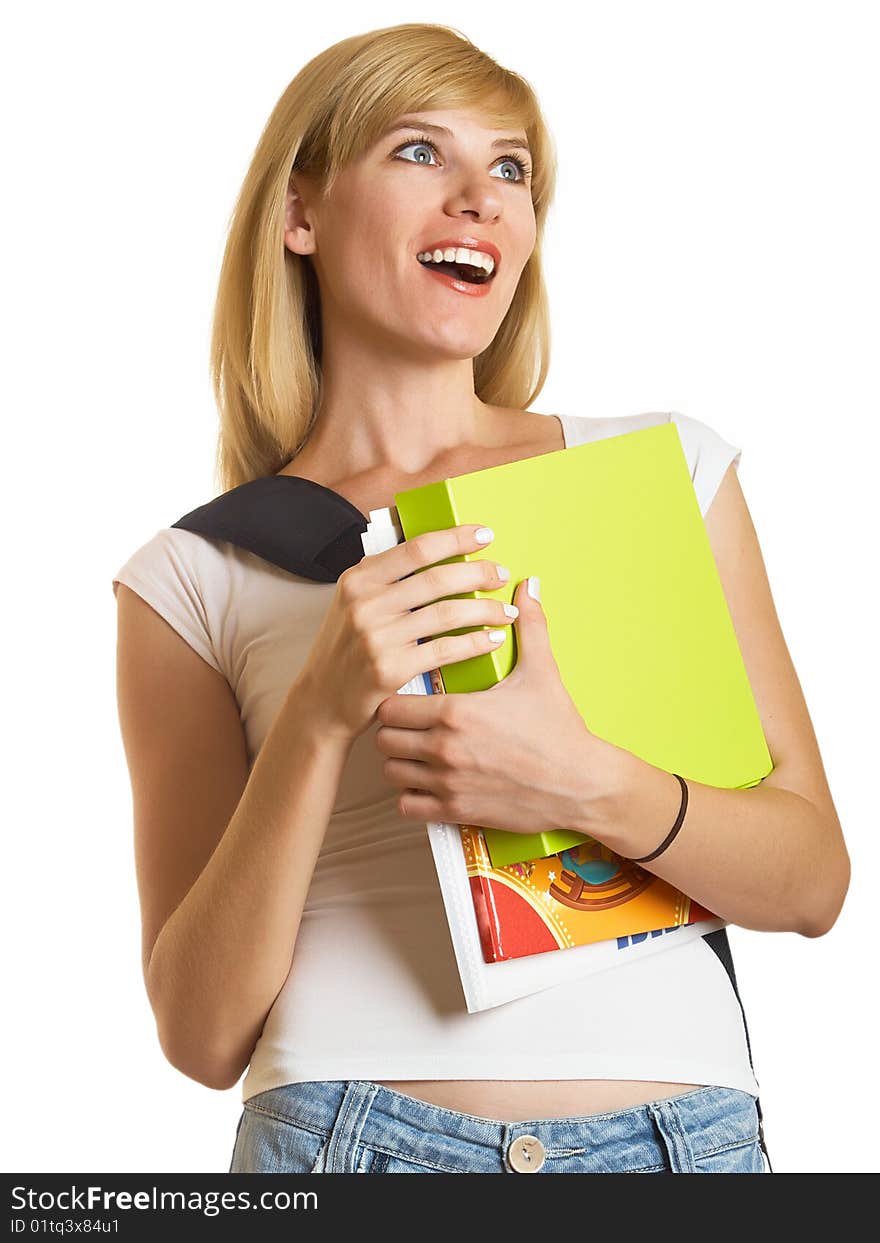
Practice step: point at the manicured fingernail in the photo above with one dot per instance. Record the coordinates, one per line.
(483, 535)
(511, 610)
(496, 636)
(534, 587)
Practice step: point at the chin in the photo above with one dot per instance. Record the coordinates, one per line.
(434, 350)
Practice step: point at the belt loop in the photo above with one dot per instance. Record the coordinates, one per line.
(348, 1125)
(675, 1140)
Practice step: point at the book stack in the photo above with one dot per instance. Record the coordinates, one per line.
(646, 648)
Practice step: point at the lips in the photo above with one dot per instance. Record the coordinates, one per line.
(456, 283)
(465, 243)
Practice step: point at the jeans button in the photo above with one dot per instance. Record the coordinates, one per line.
(526, 1154)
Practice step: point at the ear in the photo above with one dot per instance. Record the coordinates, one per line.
(299, 236)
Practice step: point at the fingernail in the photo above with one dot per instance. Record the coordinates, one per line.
(534, 587)
(483, 535)
(511, 610)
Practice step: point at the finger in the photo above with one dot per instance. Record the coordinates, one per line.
(414, 554)
(409, 773)
(410, 711)
(407, 744)
(414, 804)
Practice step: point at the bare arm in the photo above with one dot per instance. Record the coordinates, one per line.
(772, 857)
(221, 959)
(224, 859)
(764, 858)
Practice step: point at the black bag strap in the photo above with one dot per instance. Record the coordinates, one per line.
(297, 524)
(720, 943)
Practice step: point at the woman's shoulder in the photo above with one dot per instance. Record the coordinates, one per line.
(707, 452)
(179, 553)
(183, 579)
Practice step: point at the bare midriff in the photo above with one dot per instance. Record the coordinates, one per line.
(517, 1100)
(501, 1099)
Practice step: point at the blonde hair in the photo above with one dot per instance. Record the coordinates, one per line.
(265, 343)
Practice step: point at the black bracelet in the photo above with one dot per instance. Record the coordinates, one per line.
(674, 830)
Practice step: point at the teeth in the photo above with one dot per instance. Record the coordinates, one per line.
(452, 254)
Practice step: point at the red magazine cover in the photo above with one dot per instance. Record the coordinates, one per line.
(583, 894)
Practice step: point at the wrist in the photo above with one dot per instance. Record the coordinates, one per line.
(640, 805)
(602, 776)
(309, 703)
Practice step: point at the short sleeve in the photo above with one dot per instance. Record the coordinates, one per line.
(162, 572)
(708, 456)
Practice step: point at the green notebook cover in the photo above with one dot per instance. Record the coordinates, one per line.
(636, 613)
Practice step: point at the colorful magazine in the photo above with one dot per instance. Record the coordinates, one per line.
(583, 894)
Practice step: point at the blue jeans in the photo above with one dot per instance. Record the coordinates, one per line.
(360, 1127)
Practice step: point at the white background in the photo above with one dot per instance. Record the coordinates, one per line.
(713, 249)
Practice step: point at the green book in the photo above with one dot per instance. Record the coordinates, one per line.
(636, 613)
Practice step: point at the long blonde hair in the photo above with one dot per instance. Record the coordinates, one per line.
(265, 342)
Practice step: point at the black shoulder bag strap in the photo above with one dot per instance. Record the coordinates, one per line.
(295, 523)
(719, 942)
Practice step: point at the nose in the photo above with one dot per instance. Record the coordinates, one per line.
(475, 196)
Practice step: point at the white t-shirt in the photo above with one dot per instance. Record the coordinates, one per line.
(373, 990)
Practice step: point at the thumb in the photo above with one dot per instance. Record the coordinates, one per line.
(531, 624)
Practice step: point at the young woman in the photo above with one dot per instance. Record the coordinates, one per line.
(382, 323)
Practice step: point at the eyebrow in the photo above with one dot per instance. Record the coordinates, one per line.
(410, 121)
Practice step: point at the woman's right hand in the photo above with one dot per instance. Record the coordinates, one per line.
(367, 647)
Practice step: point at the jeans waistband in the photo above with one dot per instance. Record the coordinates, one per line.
(356, 1109)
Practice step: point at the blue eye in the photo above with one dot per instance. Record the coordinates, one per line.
(422, 141)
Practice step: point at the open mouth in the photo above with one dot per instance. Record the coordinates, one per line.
(462, 271)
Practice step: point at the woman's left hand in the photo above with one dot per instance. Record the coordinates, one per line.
(517, 756)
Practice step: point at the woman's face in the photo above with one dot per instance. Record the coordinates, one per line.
(401, 198)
